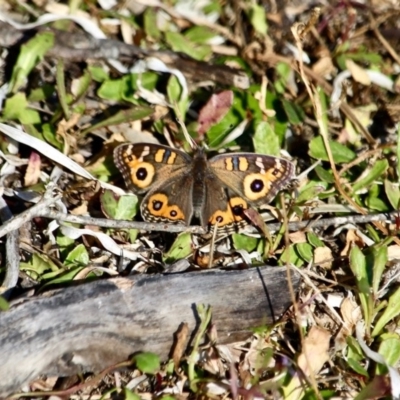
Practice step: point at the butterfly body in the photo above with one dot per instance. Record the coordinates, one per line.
(216, 191)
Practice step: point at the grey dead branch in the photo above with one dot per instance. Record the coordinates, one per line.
(91, 326)
(80, 46)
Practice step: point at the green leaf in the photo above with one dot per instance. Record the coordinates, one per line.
(64, 241)
(4, 305)
(63, 98)
(236, 114)
(322, 394)
(116, 89)
(305, 251)
(181, 248)
(129, 395)
(148, 363)
(199, 34)
(324, 175)
(310, 191)
(129, 115)
(47, 134)
(294, 112)
(272, 102)
(262, 245)
(180, 43)
(356, 366)
(219, 131)
(265, 140)
(392, 191)
(314, 240)
(374, 173)
(103, 170)
(127, 207)
(148, 80)
(78, 108)
(358, 266)
(373, 234)
(258, 18)
(243, 242)
(341, 154)
(290, 255)
(370, 58)
(284, 72)
(118, 207)
(377, 204)
(133, 234)
(30, 55)
(323, 113)
(392, 311)
(124, 89)
(50, 135)
(150, 24)
(204, 314)
(41, 93)
(61, 276)
(38, 264)
(98, 74)
(389, 348)
(354, 349)
(78, 256)
(174, 89)
(379, 260)
(16, 108)
(212, 7)
(81, 85)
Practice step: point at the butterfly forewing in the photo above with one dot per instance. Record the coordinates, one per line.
(145, 166)
(258, 178)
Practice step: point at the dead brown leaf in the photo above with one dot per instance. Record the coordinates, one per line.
(180, 344)
(323, 257)
(351, 314)
(215, 109)
(32, 173)
(312, 358)
(351, 238)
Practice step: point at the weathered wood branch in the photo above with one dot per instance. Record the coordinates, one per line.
(79, 46)
(90, 326)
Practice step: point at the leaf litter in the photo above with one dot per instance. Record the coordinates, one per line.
(310, 84)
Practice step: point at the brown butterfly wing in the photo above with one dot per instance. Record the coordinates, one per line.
(146, 166)
(170, 202)
(254, 177)
(223, 207)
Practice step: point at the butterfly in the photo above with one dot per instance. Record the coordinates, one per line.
(216, 191)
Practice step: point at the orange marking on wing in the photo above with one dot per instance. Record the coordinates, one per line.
(264, 180)
(147, 171)
(159, 156)
(238, 202)
(171, 158)
(229, 164)
(222, 218)
(230, 215)
(243, 164)
(158, 206)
